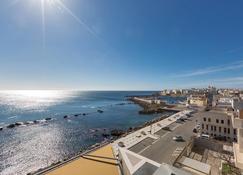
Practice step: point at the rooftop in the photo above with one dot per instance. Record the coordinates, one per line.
(101, 160)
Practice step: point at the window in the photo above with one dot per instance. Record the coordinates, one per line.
(225, 130)
(222, 121)
(204, 119)
(202, 126)
(215, 128)
(209, 119)
(217, 120)
(211, 128)
(219, 129)
(206, 127)
(234, 131)
(228, 130)
(228, 122)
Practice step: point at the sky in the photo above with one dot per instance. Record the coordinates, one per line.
(120, 45)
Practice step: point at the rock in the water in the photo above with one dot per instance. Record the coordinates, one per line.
(65, 116)
(121, 104)
(11, 126)
(117, 132)
(48, 118)
(19, 123)
(1, 129)
(28, 122)
(105, 135)
(100, 111)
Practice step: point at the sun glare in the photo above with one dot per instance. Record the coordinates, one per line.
(58, 5)
(35, 93)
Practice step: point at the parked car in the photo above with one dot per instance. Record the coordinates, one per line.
(166, 128)
(207, 109)
(188, 115)
(179, 120)
(178, 138)
(205, 136)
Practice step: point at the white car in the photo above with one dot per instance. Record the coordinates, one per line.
(178, 138)
(205, 136)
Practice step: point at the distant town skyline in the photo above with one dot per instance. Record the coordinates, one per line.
(120, 45)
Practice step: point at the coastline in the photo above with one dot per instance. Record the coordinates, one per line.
(127, 117)
(97, 146)
(167, 120)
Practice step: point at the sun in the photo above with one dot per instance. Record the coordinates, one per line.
(59, 5)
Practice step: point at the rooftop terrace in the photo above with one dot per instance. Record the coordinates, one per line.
(100, 162)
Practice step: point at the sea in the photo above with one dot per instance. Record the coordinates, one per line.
(56, 125)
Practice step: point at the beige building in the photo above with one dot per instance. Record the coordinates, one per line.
(197, 100)
(237, 119)
(218, 124)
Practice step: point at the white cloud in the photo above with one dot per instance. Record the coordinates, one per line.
(235, 82)
(208, 70)
(232, 80)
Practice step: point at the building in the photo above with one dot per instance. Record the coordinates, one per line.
(135, 164)
(197, 100)
(218, 124)
(222, 102)
(237, 119)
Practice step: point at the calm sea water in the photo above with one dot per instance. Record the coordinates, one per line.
(27, 148)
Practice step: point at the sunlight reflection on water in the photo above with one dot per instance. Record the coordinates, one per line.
(29, 99)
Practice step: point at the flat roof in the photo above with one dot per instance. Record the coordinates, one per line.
(196, 165)
(146, 169)
(90, 165)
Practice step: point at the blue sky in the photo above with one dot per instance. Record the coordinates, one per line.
(120, 45)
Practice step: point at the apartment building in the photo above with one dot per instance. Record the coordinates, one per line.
(218, 124)
(197, 100)
(237, 119)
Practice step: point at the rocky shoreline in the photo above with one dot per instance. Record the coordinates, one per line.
(45, 120)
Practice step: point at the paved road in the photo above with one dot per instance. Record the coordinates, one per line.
(142, 145)
(165, 149)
